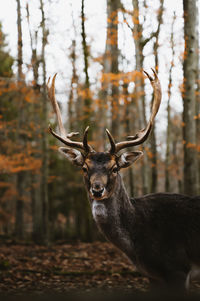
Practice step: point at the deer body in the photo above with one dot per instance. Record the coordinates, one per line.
(157, 232)
(160, 233)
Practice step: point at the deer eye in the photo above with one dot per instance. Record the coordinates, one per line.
(115, 170)
(84, 169)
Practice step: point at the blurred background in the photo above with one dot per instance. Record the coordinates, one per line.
(98, 49)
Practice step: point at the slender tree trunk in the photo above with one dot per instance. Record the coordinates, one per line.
(44, 180)
(110, 65)
(167, 156)
(168, 137)
(19, 215)
(74, 80)
(113, 6)
(75, 106)
(36, 209)
(126, 118)
(198, 128)
(73, 122)
(190, 69)
(87, 99)
(19, 42)
(198, 118)
(153, 144)
(20, 180)
(176, 161)
(139, 87)
(87, 115)
(34, 56)
(35, 178)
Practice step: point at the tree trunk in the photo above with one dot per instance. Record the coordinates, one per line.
(74, 80)
(109, 88)
(168, 137)
(20, 180)
(36, 206)
(19, 42)
(87, 112)
(127, 117)
(19, 215)
(44, 179)
(153, 144)
(167, 155)
(34, 56)
(87, 98)
(113, 7)
(35, 177)
(198, 128)
(139, 87)
(198, 121)
(190, 69)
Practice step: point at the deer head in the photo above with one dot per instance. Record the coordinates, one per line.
(100, 169)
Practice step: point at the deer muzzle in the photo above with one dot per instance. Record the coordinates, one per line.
(97, 189)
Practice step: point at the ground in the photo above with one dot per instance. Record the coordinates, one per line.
(67, 267)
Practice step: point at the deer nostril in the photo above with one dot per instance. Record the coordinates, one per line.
(97, 193)
(97, 186)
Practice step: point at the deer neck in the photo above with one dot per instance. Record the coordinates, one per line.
(111, 216)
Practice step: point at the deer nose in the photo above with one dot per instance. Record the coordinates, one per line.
(97, 189)
(97, 186)
(97, 193)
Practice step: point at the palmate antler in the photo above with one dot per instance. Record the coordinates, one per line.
(65, 138)
(143, 134)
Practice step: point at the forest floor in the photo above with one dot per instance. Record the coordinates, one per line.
(67, 268)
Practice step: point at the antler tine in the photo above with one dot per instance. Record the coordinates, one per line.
(51, 94)
(87, 147)
(112, 142)
(142, 135)
(65, 138)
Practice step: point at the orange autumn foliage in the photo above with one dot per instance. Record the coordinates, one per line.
(19, 162)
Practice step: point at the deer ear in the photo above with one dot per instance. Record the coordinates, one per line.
(72, 155)
(127, 158)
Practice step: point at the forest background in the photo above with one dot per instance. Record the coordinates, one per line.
(98, 49)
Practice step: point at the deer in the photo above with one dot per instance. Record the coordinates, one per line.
(158, 232)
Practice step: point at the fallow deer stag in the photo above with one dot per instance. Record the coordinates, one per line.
(160, 233)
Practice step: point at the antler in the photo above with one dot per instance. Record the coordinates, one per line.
(64, 136)
(142, 135)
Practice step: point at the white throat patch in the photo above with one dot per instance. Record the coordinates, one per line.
(99, 211)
